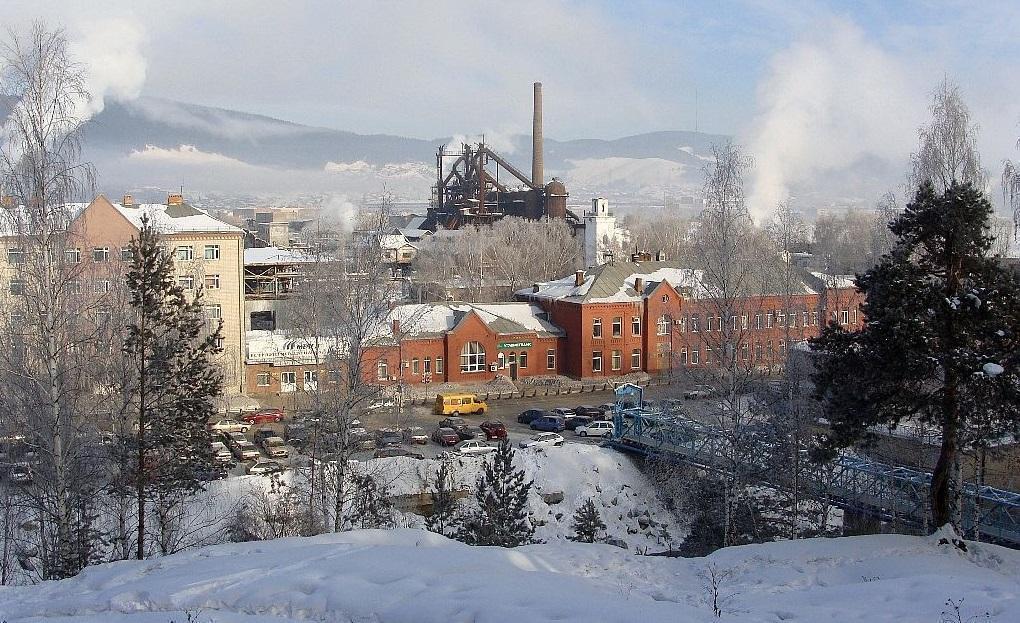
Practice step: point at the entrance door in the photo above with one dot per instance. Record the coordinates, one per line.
(512, 362)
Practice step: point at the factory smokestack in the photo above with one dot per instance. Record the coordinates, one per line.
(537, 161)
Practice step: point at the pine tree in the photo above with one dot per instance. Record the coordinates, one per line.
(588, 524)
(442, 517)
(176, 379)
(370, 507)
(502, 517)
(941, 344)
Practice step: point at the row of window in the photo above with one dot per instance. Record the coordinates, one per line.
(102, 254)
(212, 282)
(693, 356)
(472, 359)
(288, 380)
(617, 326)
(615, 360)
(102, 286)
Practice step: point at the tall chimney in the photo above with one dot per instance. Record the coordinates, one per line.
(537, 161)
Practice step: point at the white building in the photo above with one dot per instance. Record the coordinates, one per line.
(601, 235)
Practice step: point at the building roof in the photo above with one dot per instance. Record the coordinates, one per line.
(275, 255)
(175, 219)
(435, 319)
(393, 241)
(413, 234)
(614, 283)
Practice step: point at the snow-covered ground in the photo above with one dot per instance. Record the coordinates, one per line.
(415, 576)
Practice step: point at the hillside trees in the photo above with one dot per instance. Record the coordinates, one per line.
(501, 494)
(941, 343)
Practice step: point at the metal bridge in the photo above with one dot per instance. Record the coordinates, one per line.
(894, 494)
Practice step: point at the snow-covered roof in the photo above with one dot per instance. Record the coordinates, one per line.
(437, 318)
(275, 255)
(393, 241)
(614, 283)
(836, 281)
(175, 219)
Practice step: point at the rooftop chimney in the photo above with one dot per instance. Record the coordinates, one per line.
(396, 327)
(128, 200)
(537, 147)
(174, 199)
(535, 288)
(639, 285)
(579, 278)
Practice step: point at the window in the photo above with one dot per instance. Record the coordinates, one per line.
(212, 251)
(743, 322)
(853, 315)
(694, 323)
(500, 360)
(185, 252)
(426, 365)
(100, 254)
(683, 324)
(695, 356)
(414, 366)
(804, 318)
(74, 286)
(17, 286)
(550, 359)
(793, 318)
(212, 282)
(439, 365)
(616, 360)
(617, 326)
(187, 282)
(126, 254)
(745, 351)
(814, 318)
(262, 379)
(733, 319)
(103, 315)
(635, 325)
(757, 322)
(662, 325)
(708, 323)
(757, 350)
(15, 256)
(718, 323)
(768, 321)
(781, 318)
(683, 355)
(768, 348)
(311, 380)
(472, 357)
(73, 256)
(635, 359)
(382, 371)
(523, 361)
(782, 348)
(102, 286)
(214, 312)
(844, 317)
(596, 327)
(288, 381)
(596, 361)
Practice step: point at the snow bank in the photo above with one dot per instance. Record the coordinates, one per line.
(415, 576)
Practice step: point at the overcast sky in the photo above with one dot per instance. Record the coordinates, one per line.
(803, 84)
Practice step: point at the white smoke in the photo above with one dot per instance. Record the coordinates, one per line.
(339, 210)
(830, 101)
(111, 51)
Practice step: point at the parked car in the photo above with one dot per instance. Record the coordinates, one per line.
(445, 436)
(383, 453)
(563, 412)
(20, 474)
(699, 391)
(526, 417)
(275, 448)
(550, 423)
(472, 448)
(452, 422)
(264, 433)
(229, 426)
(470, 432)
(577, 420)
(247, 451)
(415, 434)
(589, 411)
(493, 429)
(221, 454)
(455, 404)
(263, 417)
(542, 440)
(232, 439)
(296, 434)
(598, 428)
(265, 467)
(388, 437)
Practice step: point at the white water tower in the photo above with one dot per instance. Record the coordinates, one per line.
(599, 233)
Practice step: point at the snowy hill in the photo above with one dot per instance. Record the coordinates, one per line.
(415, 576)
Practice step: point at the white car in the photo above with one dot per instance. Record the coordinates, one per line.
(471, 447)
(229, 426)
(221, 454)
(542, 440)
(265, 467)
(247, 451)
(599, 428)
(275, 447)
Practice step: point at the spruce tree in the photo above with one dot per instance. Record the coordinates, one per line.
(176, 380)
(588, 524)
(442, 518)
(501, 493)
(941, 343)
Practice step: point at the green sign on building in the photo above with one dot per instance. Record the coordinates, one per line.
(509, 345)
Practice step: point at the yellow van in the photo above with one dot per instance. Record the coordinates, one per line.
(458, 404)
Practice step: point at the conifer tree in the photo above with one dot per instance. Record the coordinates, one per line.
(176, 379)
(588, 524)
(941, 343)
(502, 517)
(442, 517)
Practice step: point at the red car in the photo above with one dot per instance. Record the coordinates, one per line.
(493, 430)
(445, 437)
(263, 417)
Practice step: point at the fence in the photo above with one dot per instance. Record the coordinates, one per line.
(541, 391)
